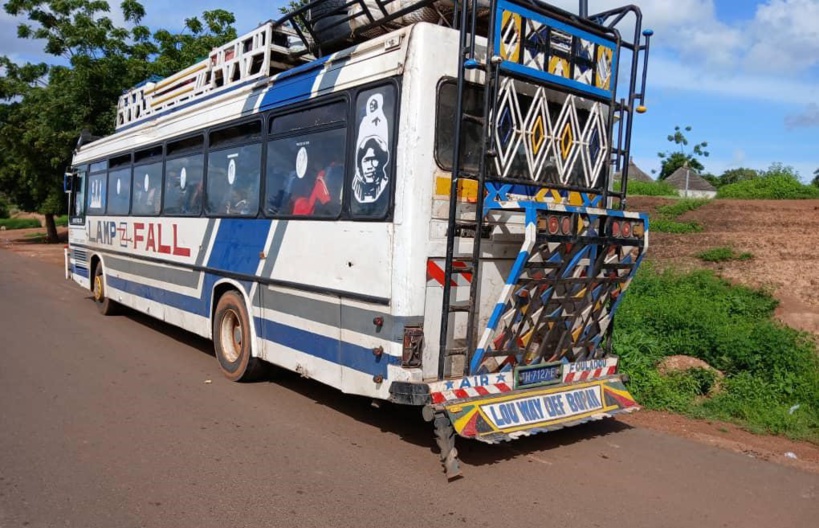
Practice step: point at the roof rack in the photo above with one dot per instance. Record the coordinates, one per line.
(326, 26)
(316, 29)
(269, 49)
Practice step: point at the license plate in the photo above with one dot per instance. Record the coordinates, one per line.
(546, 374)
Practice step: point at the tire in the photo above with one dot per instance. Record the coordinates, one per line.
(105, 305)
(232, 339)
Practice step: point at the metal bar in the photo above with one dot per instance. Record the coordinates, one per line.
(453, 200)
(489, 97)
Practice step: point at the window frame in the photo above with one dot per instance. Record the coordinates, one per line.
(103, 171)
(203, 152)
(441, 82)
(239, 143)
(135, 166)
(343, 97)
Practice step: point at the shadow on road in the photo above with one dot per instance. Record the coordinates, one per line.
(402, 421)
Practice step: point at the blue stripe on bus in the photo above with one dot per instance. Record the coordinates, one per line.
(330, 349)
(194, 305)
(79, 270)
(238, 244)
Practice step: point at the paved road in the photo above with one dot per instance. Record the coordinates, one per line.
(109, 422)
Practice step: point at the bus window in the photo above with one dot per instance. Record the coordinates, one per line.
(119, 191)
(305, 174)
(470, 130)
(147, 189)
(375, 129)
(77, 213)
(328, 114)
(183, 185)
(234, 175)
(97, 184)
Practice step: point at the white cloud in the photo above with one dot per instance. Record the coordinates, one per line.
(670, 74)
(784, 36)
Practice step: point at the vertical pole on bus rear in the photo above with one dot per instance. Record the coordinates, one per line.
(453, 192)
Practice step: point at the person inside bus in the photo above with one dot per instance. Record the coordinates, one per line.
(322, 194)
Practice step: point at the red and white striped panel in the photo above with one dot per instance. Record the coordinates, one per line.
(589, 370)
(470, 392)
(436, 275)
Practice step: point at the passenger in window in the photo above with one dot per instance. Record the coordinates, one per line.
(323, 196)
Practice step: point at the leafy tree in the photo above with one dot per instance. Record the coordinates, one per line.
(710, 178)
(737, 175)
(815, 178)
(680, 154)
(48, 106)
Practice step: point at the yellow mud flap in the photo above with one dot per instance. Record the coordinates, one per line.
(522, 413)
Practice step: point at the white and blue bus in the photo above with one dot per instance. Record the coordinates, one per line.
(343, 194)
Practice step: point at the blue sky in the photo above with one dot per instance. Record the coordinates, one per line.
(743, 73)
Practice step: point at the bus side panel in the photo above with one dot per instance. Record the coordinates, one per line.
(301, 332)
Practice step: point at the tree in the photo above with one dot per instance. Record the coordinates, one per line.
(679, 155)
(710, 178)
(815, 178)
(47, 107)
(737, 175)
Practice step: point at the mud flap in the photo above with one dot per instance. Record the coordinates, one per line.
(522, 413)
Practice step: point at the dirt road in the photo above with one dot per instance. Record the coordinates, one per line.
(112, 422)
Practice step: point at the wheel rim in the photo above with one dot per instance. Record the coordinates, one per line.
(231, 336)
(98, 288)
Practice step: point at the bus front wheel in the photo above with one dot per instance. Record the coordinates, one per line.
(105, 305)
(232, 339)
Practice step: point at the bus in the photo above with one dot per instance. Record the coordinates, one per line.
(406, 200)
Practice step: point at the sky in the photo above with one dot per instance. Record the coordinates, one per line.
(744, 74)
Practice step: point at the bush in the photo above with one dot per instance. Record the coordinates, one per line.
(4, 208)
(774, 186)
(61, 221)
(768, 367)
(19, 223)
(638, 188)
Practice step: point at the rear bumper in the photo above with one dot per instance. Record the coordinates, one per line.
(499, 417)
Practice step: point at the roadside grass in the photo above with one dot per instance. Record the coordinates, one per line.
(638, 188)
(769, 368)
(723, 254)
(19, 223)
(666, 220)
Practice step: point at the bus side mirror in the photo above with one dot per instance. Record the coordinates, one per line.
(68, 182)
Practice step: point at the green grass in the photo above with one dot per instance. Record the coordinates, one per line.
(663, 225)
(684, 205)
(61, 221)
(723, 254)
(638, 188)
(665, 220)
(768, 367)
(19, 223)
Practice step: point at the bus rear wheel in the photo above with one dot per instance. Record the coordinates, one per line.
(232, 339)
(104, 304)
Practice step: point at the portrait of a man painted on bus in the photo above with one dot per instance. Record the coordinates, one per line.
(370, 175)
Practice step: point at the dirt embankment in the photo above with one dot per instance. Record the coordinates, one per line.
(782, 236)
